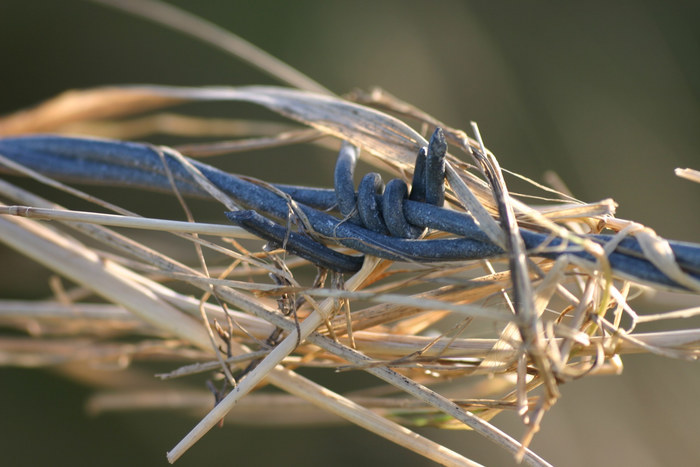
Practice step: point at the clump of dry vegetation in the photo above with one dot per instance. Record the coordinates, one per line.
(431, 331)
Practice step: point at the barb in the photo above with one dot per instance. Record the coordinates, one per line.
(381, 209)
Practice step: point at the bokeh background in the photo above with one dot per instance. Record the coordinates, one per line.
(606, 94)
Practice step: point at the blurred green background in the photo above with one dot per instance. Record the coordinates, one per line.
(606, 94)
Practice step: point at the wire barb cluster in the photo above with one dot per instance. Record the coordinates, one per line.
(141, 166)
(381, 209)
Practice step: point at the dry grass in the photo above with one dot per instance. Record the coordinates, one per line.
(446, 338)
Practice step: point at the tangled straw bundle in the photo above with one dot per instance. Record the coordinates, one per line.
(427, 329)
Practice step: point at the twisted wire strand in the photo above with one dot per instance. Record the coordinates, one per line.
(380, 208)
(109, 162)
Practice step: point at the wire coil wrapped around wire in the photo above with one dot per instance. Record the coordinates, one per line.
(380, 208)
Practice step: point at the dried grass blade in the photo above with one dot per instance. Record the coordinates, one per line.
(383, 135)
(226, 147)
(475, 207)
(283, 349)
(677, 314)
(527, 320)
(113, 220)
(66, 257)
(377, 424)
(689, 174)
(194, 333)
(79, 105)
(176, 124)
(185, 22)
(658, 251)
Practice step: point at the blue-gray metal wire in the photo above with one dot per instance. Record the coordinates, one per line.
(385, 223)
